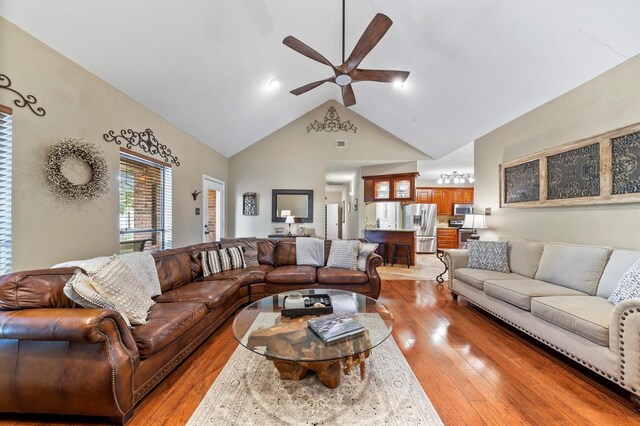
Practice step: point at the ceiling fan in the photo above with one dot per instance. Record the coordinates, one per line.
(348, 72)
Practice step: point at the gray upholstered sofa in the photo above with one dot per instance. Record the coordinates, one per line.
(558, 293)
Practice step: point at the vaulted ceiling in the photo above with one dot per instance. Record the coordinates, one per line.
(206, 65)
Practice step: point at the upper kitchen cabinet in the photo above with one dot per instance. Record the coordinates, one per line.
(463, 196)
(444, 199)
(424, 195)
(397, 187)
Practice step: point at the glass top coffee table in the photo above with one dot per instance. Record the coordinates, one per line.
(295, 349)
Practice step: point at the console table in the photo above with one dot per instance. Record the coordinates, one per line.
(440, 255)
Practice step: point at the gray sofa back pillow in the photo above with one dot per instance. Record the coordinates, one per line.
(524, 256)
(573, 266)
(619, 262)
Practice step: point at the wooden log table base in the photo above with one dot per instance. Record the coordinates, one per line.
(292, 336)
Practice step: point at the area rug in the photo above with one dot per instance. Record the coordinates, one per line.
(248, 391)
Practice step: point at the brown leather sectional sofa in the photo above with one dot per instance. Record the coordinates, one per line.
(56, 357)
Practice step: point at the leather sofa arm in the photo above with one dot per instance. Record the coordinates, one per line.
(455, 258)
(73, 325)
(373, 261)
(88, 353)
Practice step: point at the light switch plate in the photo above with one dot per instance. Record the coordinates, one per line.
(197, 211)
(487, 211)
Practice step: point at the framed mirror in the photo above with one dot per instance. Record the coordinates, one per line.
(292, 202)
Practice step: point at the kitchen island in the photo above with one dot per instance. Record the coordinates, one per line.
(391, 236)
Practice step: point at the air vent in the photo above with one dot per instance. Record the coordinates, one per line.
(334, 183)
(341, 144)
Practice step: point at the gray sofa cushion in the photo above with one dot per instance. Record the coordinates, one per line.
(524, 256)
(520, 292)
(477, 277)
(573, 266)
(619, 262)
(587, 316)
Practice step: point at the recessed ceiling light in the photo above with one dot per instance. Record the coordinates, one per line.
(274, 83)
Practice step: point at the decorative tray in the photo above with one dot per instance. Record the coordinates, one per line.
(309, 309)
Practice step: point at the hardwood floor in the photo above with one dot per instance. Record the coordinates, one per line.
(475, 370)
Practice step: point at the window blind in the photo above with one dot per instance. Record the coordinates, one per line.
(145, 204)
(5, 192)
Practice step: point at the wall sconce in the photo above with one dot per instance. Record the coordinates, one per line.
(456, 177)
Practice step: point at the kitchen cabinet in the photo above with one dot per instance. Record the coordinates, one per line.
(396, 187)
(447, 238)
(462, 196)
(424, 195)
(444, 200)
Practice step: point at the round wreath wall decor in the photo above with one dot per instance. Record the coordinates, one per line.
(84, 152)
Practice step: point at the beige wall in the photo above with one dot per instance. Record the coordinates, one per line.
(610, 101)
(78, 104)
(291, 158)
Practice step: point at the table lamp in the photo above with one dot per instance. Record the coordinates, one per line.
(289, 220)
(475, 222)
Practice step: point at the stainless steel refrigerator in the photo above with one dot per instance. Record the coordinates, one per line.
(423, 218)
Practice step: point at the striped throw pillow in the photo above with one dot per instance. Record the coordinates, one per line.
(225, 259)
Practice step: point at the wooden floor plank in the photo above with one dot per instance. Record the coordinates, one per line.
(475, 369)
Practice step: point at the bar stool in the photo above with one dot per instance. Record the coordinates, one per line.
(382, 251)
(406, 255)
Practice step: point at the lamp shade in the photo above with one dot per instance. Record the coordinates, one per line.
(474, 221)
(290, 220)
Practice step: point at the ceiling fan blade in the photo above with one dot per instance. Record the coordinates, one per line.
(348, 97)
(378, 27)
(302, 48)
(307, 87)
(382, 76)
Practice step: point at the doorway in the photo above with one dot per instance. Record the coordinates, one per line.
(212, 209)
(333, 221)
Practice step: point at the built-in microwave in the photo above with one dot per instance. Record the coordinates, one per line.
(462, 209)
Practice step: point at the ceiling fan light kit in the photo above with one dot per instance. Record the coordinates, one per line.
(348, 72)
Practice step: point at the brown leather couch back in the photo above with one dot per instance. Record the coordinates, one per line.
(285, 253)
(174, 267)
(41, 288)
(196, 258)
(267, 252)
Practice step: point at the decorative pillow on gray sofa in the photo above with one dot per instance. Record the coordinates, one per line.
(488, 255)
(629, 285)
(344, 254)
(364, 251)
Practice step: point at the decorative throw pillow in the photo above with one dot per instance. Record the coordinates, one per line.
(488, 255)
(216, 261)
(80, 290)
(629, 285)
(250, 246)
(344, 254)
(364, 251)
(117, 283)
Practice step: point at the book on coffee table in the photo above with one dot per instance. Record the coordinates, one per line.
(335, 327)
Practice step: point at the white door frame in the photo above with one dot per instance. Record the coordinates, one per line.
(212, 183)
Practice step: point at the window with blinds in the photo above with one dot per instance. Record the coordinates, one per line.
(145, 204)
(5, 189)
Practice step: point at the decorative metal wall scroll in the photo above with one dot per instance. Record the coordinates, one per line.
(603, 169)
(23, 101)
(626, 170)
(332, 123)
(522, 182)
(250, 204)
(144, 140)
(574, 173)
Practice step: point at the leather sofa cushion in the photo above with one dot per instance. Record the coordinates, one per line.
(292, 274)
(211, 293)
(341, 276)
(267, 252)
(574, 266)
(520, 292)
(166, 322)
(41, 288)
(196, 258)
(174, 267)
(587, 316)
(244, 276)
(619, 262)
(285, 253)
(477, 277)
